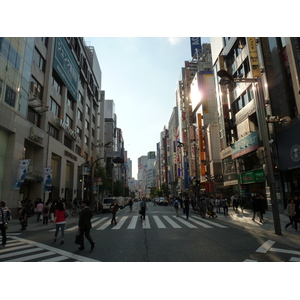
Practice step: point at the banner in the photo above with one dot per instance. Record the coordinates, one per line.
(48, 180)
(22, 173)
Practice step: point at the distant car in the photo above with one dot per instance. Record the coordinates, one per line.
(162, 201)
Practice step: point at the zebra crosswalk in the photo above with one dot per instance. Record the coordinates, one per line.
(21, 250)
(151, 222)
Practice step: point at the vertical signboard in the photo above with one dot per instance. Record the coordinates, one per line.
(253, 57)
(195, 44)
(66, 66)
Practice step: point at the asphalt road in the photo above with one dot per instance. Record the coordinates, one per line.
(162, 237)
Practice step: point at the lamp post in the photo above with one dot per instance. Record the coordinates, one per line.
(227, 78)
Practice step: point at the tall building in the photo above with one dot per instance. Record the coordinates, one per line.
(49, 110)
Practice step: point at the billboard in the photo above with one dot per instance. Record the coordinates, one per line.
(195, 44)
(66, 66)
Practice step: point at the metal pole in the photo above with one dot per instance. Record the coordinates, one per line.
(260, 105)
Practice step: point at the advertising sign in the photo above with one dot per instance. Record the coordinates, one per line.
(65, 65)
(48, 180)
(22, 173)
(195, 44)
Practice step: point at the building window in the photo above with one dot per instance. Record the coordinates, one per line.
(54, 107)
(85, 156)
(45, 41)
(77, 150)
(39, 60)
(87, 109)
(86, 140)
(80, 98)
(79, 114)
(70, 101)
(87, 125)
(10, 96)
(33, 117)
(53, 131)
(93, 132)
(56, 83)
(36, 88)
(68, 142)
(69, 121)
(79, 132)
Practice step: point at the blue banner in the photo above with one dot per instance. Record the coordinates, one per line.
(195, 44)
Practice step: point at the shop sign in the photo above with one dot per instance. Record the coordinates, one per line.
(69, 130)
(67, 153)
(252, 176)
(245, 145)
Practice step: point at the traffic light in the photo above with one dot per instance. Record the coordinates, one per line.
(118, 160)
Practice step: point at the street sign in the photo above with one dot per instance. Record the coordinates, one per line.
(113, 154)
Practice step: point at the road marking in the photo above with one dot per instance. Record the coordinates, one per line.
(265, 247)
(103, 226)
(285, 251)
(132, 222)
(250, 260)
(55, 250)
(211, 222)
(188, 224)
(30, 257)
(295, 259)
(200, 223)
(146, 223)
(171, 222)
(120, 223)
(158, 222)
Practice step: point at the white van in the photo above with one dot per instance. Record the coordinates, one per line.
(107, 202)
(121, 202)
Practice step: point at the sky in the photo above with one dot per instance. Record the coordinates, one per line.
(141, 76)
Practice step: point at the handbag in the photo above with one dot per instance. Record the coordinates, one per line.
(78, 238)
(140, 211)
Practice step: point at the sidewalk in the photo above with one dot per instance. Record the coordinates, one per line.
(289, 236)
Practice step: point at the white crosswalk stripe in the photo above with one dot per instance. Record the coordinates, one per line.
(161, 222)
(20, 250)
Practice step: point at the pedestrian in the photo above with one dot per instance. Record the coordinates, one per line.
(23, 216)
(218, 203)
(225, 206)
(39, 210)
(187, 206)
(84, 224)
(234, 202)
(176, 205)
(143, 207)
(290, 211)
(4, 217)
(60, 221)
(46, 213)
(130, 204)
(52, 210)
(256, 207)
(114, 207)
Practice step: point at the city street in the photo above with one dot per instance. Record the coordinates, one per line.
(162, 237)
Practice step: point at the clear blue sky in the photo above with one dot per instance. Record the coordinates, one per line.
(141, 75)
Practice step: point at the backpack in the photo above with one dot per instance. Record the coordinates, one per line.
(176, 204)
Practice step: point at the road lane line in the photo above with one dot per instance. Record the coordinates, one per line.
(158, 222)
(210, 222)
(171, 222)
(188, 224)
(34, 256)
(200, 223)
(133, 221)
(285, 251)
(120, 223)
(264, 248)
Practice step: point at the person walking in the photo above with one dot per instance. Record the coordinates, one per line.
(4, 217)
(60, 221)
(52, 210)
(143, 207)
(176, 205)
(291, 213)
(39, 210)
(114, 207)
(187, 206)
(225, 206)
(23, 216)
(46, 213)
(84, 224)
(256, 207)
(130, 204)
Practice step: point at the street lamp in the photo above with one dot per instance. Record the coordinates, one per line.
(227, 78)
